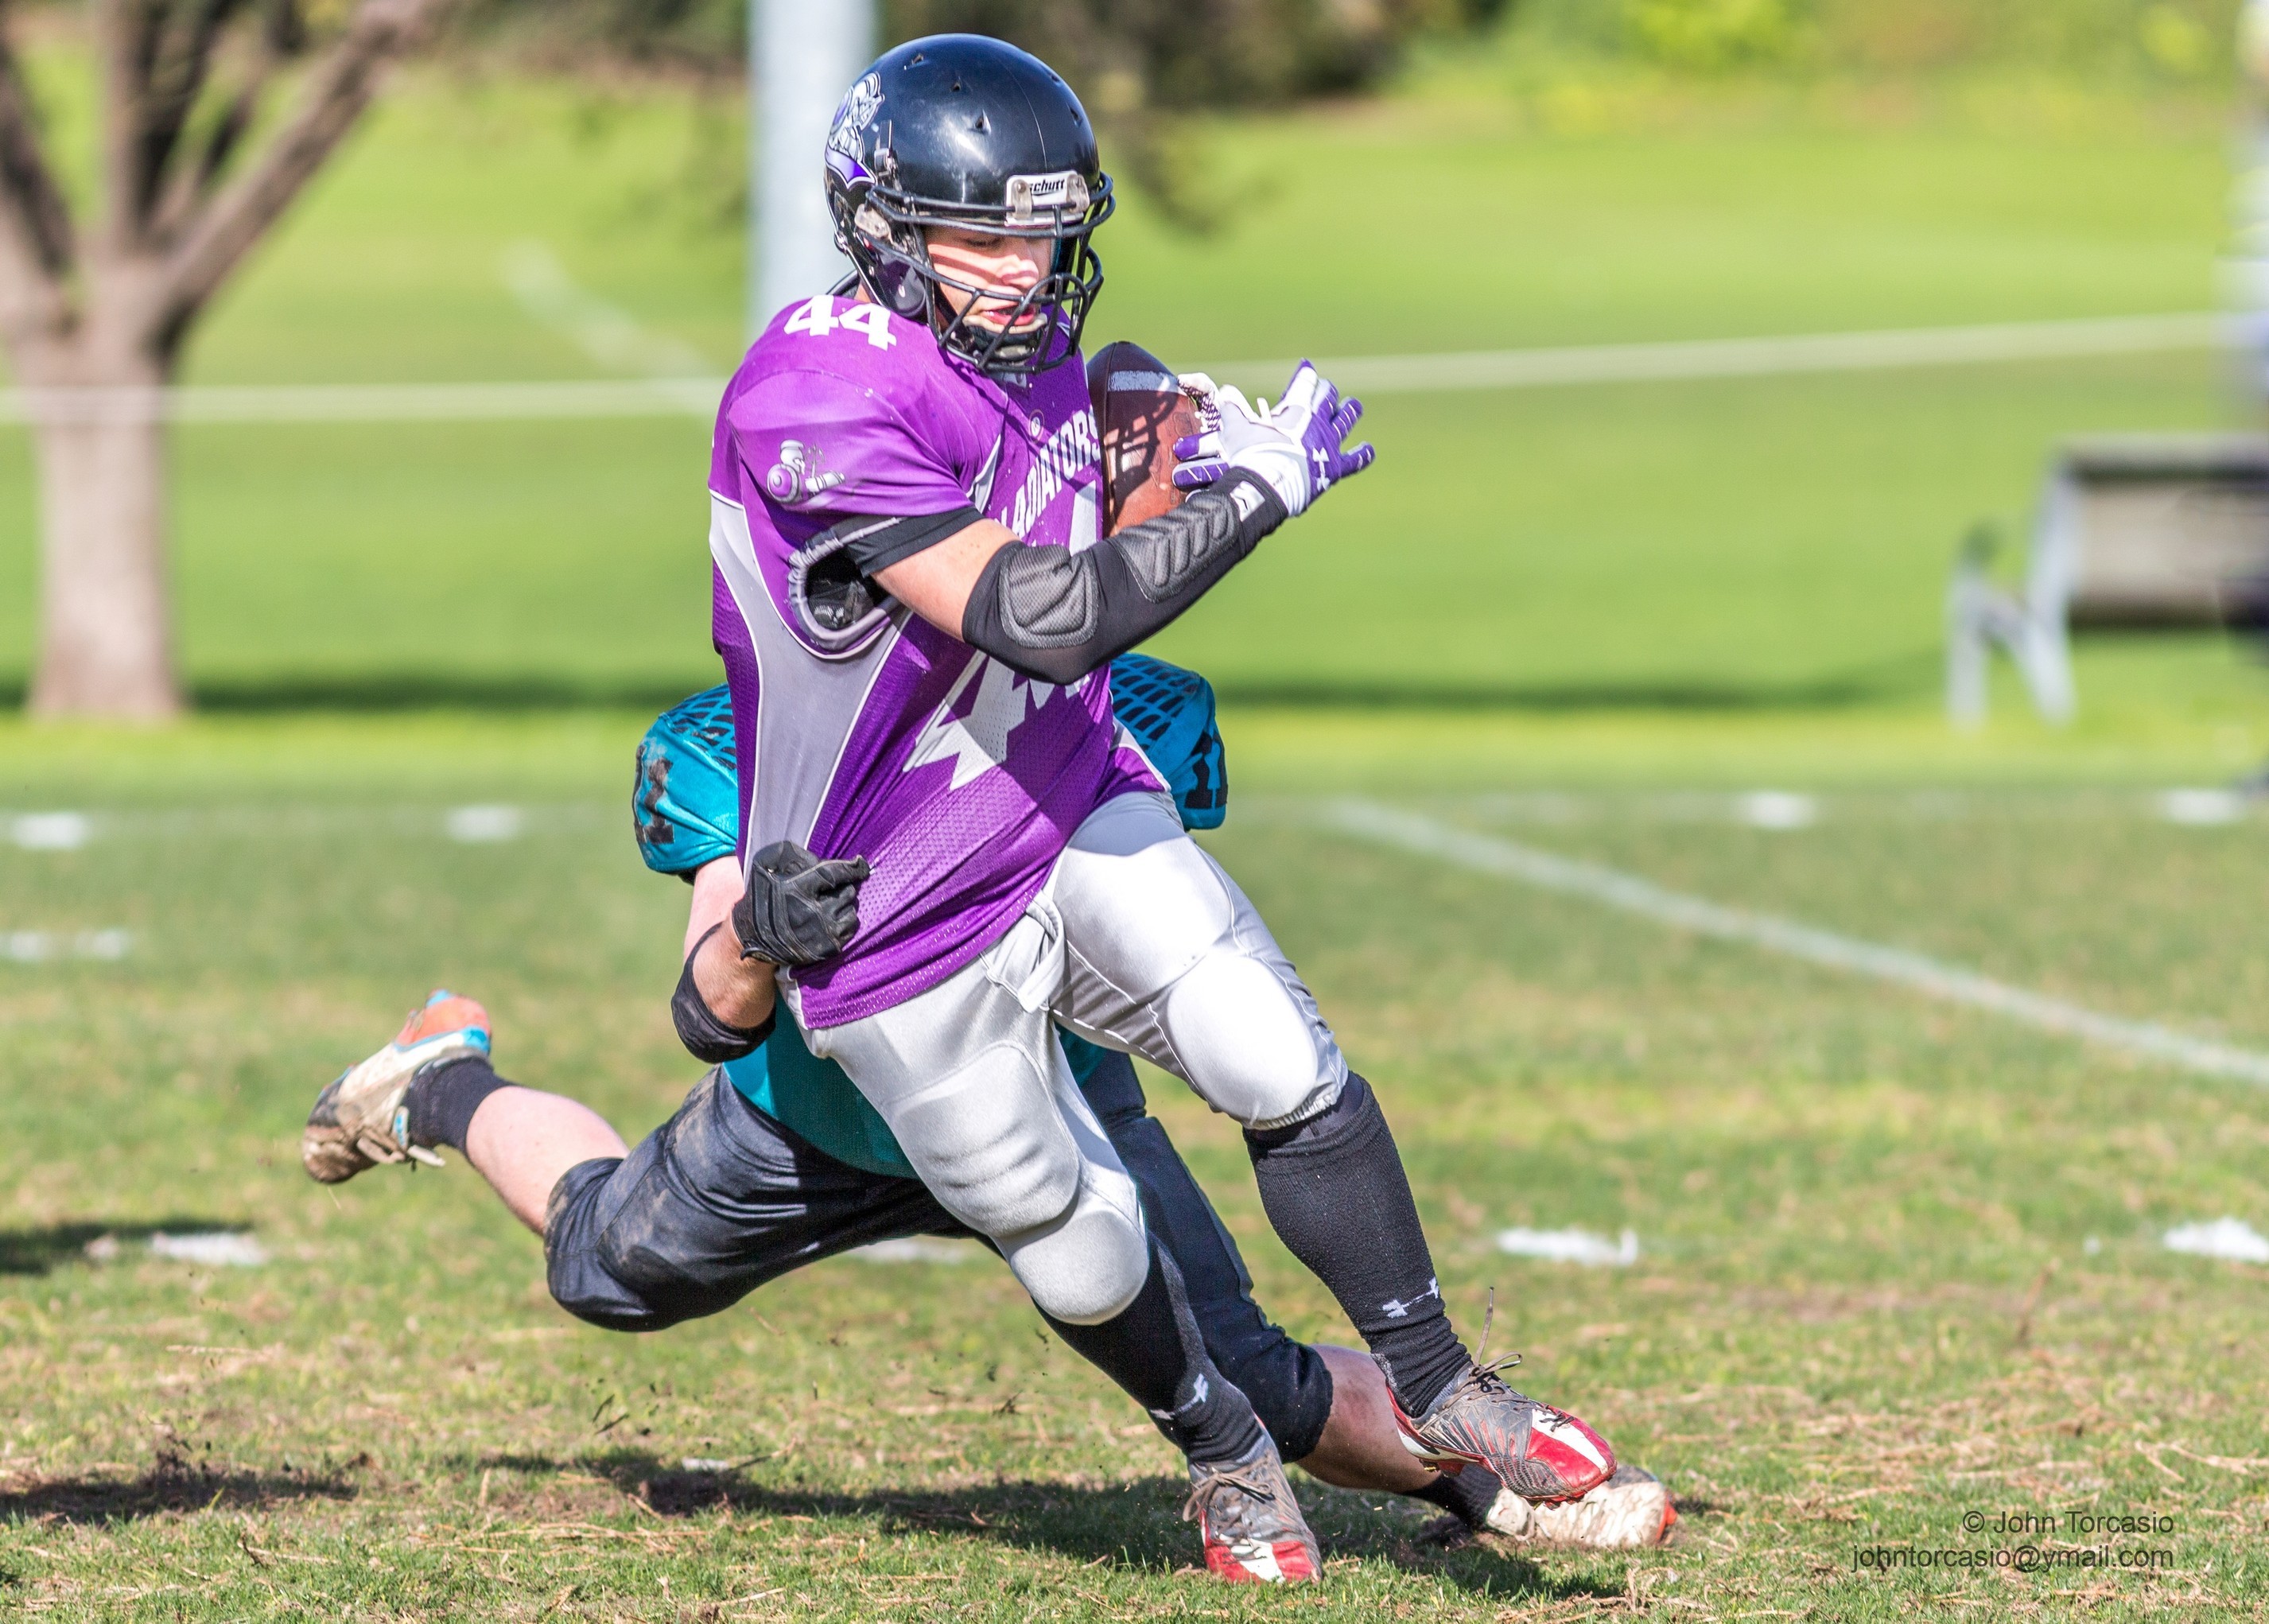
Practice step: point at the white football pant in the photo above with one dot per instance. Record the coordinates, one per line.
(1138, 942)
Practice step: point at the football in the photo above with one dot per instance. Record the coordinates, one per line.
(1141, 409)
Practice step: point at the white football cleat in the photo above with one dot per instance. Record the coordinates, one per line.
(1630, 1508)
(359, 1120)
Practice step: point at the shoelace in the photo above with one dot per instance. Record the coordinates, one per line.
(1209, 1488)
(1484, 1377)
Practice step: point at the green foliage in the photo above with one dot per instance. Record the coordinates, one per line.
(1126, 52)
(1718, 33)
(706, 38)
(2166, 39)
(1214, 52)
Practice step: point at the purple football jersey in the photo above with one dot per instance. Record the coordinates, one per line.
(866, 731)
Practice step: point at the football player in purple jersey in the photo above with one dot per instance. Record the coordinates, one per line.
(951, 845)
(948, 846)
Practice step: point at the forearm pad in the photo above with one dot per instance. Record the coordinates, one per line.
(1055, 614)
(705, 1038)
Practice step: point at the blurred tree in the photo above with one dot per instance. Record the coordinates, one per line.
(2164, 38)
(94, 313)
(1177, 53)
(1139, 65)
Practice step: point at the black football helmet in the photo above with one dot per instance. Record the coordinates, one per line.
(963, 131)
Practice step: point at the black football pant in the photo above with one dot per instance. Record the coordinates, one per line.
(721, 1198)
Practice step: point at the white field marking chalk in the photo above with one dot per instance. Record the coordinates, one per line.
(609, 335)
(38, 947)
(217, 1249)
(1570, 1246)
(2232, 1238)
(1776, 809)
(484, 825)
(2201, 808)
(370, 402)
(1757, 357)
(1932, 978)
(696, 397)
(914, 1249)
(50, 832)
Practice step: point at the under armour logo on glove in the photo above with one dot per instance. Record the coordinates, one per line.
(1299, 448)
(798, 909)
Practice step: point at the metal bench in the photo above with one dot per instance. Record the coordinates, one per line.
(2133, 531)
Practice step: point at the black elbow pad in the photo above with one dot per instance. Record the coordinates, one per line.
(1055, 614)
(705, 1038)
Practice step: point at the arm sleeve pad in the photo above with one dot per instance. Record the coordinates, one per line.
(1054, 614)
(705, 1038)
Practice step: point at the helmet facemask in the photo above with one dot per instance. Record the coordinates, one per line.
(881, 227)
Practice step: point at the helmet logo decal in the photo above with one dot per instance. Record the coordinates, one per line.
(1063, 192)
(796, 477)
(857, 112)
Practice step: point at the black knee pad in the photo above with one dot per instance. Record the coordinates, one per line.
(709, 1206)
(575, 1266)
(639, 1242)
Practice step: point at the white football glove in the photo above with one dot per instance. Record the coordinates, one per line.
(1296, 446)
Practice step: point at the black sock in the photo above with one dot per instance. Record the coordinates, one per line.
(443, 1098)
(1153, 1350)
(1335, 1191)
(1467, 1496)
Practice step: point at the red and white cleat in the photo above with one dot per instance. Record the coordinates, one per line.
(360, 1121)
(1252, 1526)
(1540, 1453)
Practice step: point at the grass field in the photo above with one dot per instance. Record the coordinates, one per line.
(1900, 1263)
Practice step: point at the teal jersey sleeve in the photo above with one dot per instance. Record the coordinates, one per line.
(1085, 1056)
(686, 805)
(815, 1101)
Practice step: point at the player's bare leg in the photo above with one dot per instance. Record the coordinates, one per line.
(1361, 1446)
(523, 1141)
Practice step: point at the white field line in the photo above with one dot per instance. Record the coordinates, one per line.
(370, 402)
(1375, 374)
(1932, 977)
(1761, 358)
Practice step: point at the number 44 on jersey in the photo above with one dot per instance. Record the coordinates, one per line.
(818, 319)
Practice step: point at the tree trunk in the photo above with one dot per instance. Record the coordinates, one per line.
(106, 644)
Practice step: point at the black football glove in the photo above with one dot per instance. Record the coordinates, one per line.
(798, 909)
